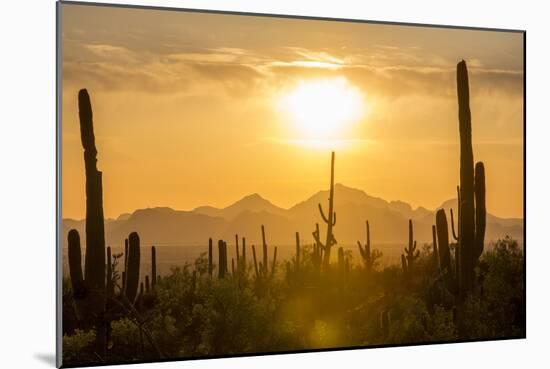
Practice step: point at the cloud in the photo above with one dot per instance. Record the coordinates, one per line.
(380, 70)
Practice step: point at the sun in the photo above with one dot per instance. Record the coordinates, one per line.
(323, 109)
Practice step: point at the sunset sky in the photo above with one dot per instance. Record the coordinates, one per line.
(196, 109)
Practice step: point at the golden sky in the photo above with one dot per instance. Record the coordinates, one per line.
(196, 109)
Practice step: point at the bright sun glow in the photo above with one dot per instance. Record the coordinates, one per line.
(323, 109)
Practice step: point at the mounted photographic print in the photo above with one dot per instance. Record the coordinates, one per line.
(239, 184)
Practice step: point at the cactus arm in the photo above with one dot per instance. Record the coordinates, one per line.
(322, 213)
(481, 211)
(404, 263)
(318, 239)
(361, 251)
(453, 226)
(333, 218)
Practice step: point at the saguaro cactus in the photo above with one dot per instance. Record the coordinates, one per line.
(264, 250)
(472, 188)
(435, 248)
(109, 284)
(261, 269)
(94, 272)
(330, 220)
(210, 267)
(153, 266)
(222, 256)
(369, 257)
(341, 262)
(90, 290)
(243, 254)
(317, 250)
(442, 229)
(132, 271)
(297, 251)
(411, 253)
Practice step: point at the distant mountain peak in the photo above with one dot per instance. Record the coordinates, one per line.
(252, 197)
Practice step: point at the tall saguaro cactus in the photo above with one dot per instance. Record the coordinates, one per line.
(330, 220)
(90, 287)
(94, 272)
(472, 190)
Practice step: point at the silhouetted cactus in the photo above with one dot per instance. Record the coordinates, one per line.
(90, 296)
(330, 220)
(369, 257)
(297, 266)
(411, 253)
(445, 267)
(317, 250)
(264, 250)
(237, 247)
(472, 188)
(153, 266)
(404, 264)
(110, 283)
(481, 211)
(243, 254)
(261, 269)
(222, 257)
(341, 262)
(132, 272)
(435, 248)
(256, 269)
(210, 266)
(75, 265)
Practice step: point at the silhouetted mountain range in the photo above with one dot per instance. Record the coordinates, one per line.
(388, 221)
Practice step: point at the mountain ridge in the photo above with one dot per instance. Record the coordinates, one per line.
(388, 219)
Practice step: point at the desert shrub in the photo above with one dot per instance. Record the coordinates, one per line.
(498, 310)
(78, 347)
(192, 314)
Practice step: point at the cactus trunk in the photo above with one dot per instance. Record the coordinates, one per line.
(210, 268)
(153, 266)
(472, 215)
(132, 272)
